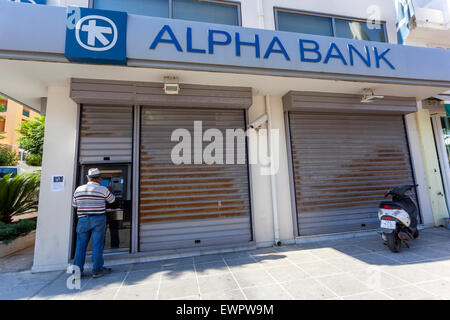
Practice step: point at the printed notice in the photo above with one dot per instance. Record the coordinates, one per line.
(58, 183)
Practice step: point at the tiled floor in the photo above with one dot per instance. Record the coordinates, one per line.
(356, 268)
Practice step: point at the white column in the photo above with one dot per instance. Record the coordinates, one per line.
(261, 194)
(419, 169)
(54, 226)
(285, 219)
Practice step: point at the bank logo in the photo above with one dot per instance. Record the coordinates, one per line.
(101, 33)
(96, 36)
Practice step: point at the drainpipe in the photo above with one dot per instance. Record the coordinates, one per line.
(276, 229)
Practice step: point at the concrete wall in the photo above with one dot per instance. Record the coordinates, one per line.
(285, 223)
(420, 176)
(431, 166)
(262, 208)
(67, 3)
(54, 227)
(262, 184)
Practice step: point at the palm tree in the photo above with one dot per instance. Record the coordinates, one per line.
(18, 195)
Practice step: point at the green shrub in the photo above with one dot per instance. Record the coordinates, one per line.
(9, 232)
(34, 160)
(18, 195)
(8, 158)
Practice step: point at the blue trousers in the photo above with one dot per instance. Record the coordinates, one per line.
(87, 226)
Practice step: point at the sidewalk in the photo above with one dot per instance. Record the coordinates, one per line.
(356, 268)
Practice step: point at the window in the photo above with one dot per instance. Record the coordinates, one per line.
(154, 8)
(223, 12)
(359, 30)
(213, 12)
(302, 23)
(329, 26)
(26, 113)
(3, 105)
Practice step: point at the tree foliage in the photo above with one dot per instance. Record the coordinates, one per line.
(8, 157)
(32, 132)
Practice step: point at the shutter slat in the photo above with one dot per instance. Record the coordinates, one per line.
(343, 166)
(106, 132)
(183, 204)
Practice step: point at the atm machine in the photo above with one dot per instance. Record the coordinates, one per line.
(117, 178)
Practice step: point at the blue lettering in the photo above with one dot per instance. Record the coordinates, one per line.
(336, 56)
(240, 43)
(315, 50)
(281, 49)
(159, 38)
(189, 43)
(378, 57)
(366, 59)
(212, 42)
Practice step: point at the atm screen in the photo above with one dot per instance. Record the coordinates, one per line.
(105, 182)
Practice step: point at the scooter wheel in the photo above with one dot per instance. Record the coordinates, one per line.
(393, 242)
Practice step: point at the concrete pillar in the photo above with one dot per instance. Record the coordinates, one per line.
(261, 183)
(431, 165)
(261, 196)
(54, 225)
(419, 170)
(285, 218)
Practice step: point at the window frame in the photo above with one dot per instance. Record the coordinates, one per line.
(236, 4)
(2, 125)
(325, 15)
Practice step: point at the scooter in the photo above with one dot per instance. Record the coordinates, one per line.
(399, 218)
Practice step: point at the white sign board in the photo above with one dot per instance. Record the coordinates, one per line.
(58, 183)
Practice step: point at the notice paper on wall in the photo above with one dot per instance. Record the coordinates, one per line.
(58, 183)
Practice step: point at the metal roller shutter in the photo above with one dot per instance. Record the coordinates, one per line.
(343, 165)
(190, 205)
(106, 134)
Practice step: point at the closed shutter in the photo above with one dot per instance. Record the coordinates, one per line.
(106, 134)
(190, 205)
(343, 166)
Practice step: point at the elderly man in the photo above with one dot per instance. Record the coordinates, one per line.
(90, 200)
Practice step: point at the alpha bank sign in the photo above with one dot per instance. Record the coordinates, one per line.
(109, 37)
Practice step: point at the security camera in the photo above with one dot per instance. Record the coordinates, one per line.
(369, 96)
(258, 122)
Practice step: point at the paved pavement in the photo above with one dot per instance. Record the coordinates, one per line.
(356, 268)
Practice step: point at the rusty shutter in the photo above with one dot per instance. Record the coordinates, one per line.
(106, 134)
(343, 165)
(190, 205)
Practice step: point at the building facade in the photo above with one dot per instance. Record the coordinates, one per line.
(426, 23)
(13, 114)
(126, 82)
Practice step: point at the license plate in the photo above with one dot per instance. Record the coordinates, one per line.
(387, 224)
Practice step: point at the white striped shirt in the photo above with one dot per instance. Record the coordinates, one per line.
(91, 198)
